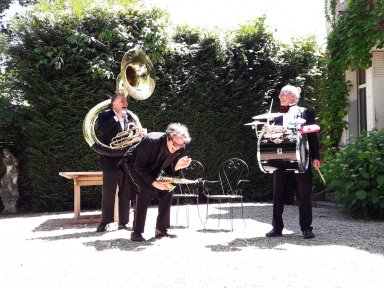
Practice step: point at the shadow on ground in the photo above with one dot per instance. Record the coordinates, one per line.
(330, 227)
(120, 243)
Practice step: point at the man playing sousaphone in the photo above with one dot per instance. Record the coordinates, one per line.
(109, 123)
(289, 97)
(143, 163)
(109, 129)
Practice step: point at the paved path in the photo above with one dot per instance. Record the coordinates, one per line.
(44, 250)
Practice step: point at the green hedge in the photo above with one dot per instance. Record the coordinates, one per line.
(65, 63)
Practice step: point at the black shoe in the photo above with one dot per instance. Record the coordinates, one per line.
(101, 227)
(274, 233)
(308, 234)
(123, 226)
(160, 234)
(137, 237)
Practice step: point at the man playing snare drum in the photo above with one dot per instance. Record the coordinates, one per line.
(289, 97)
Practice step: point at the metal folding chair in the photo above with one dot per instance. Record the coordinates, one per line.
(189, 192)
(233, 174)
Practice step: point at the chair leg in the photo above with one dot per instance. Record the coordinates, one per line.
(206, 214)
(187, 213)
(230, 213)
(198, 210)
(218, 218)
(242, 213)
(177, 209)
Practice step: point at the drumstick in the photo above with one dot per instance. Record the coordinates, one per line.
(321, 175)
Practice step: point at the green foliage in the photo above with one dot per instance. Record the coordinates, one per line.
(357, 175)
(330, 10)
(358, 30)
(66, 61)
(66, 64)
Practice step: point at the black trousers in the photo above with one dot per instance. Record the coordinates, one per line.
(111, 180)
(302, 184)
(144, 193)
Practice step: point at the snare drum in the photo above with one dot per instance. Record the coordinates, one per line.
(290, 152)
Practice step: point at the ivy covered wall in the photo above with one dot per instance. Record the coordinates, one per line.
(356, 29)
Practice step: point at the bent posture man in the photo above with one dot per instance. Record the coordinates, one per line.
(144, 162)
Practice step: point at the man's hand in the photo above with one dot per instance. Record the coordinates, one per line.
(316, 163)
(183, 163)
(143, 131)
(164, 186)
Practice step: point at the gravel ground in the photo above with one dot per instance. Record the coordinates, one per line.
(47, 250)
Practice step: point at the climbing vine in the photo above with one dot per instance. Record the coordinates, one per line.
(358, 30)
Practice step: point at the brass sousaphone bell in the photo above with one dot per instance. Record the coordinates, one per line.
(136, 80)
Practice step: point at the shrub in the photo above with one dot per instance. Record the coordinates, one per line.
(357, 175)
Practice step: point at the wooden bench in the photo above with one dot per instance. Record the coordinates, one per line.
(86, 179)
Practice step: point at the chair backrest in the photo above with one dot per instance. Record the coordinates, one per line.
(194, 171)
(233, 174)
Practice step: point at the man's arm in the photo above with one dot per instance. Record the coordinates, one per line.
(105, 123)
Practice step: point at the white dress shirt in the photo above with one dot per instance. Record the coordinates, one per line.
(293, 113)
(122, 120)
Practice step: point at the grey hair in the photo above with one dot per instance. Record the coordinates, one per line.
(178, 130)
(291, 90)
(117, 94)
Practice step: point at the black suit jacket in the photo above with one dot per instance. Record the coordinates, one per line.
(107, 128)
(313, 142)
(151, 156)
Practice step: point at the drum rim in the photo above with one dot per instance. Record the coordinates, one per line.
(301, 166)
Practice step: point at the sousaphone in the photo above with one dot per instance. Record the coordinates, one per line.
(136, 80)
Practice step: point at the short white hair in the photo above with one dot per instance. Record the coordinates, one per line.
(290, 89)
(178, 130)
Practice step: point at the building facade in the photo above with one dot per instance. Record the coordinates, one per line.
(366, 95)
